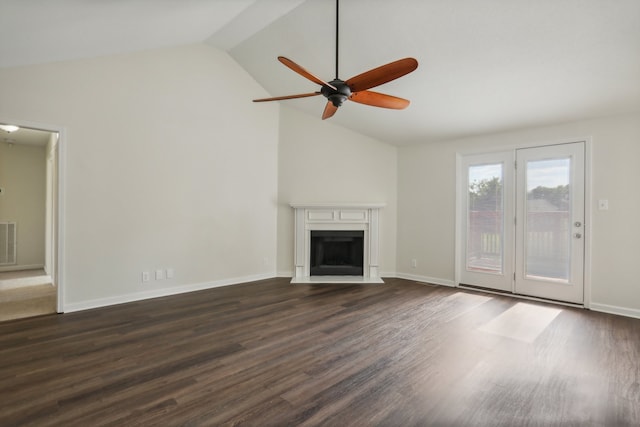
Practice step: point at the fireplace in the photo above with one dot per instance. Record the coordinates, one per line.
(336, 243)
(337, 253)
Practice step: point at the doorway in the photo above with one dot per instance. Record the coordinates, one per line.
(521, 221)
(29, 160)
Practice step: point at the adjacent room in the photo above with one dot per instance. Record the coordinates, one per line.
(463, 255)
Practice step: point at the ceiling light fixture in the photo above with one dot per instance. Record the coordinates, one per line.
(9, 128)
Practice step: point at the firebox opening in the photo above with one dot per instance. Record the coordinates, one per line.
(337, 253)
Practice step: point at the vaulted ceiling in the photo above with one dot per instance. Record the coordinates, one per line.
(486, 66)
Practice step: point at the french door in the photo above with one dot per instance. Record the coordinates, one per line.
(523, 221)
(488, 230)
(550, 222)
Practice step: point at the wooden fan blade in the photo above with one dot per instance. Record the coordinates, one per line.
(329, 110)
(382, 74)
(379, 100)
(304, 73)
(280, 98)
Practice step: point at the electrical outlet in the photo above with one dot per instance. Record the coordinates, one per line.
(159, 274)
(265, 261)
(170, 273)
(145, 276)
(414, 263)
(603, 204)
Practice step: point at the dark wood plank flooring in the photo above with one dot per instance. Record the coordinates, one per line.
(273, 354)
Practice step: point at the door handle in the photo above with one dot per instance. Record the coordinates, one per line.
(577, 235)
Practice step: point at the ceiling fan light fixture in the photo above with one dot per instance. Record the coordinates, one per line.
(9, 128)
(337, 99)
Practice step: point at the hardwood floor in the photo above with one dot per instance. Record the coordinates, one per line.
(273, 354)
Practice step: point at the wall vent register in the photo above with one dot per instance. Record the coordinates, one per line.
(7, 243)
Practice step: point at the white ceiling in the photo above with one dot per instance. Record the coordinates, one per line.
(486, 66)
(24, 136)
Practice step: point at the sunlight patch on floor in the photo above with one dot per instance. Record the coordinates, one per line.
(469, 298)
(462, 303)
(523, 322)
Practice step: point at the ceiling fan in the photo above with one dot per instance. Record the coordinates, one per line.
(356, 88)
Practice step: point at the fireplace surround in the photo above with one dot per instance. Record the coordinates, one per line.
(343, 221)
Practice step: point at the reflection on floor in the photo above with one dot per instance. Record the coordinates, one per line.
(523, 322)
(25, 294)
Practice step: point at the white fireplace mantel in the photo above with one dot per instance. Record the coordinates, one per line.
(336, 216)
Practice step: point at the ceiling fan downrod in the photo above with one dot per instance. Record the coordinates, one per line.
(337, 34)
(341, 91)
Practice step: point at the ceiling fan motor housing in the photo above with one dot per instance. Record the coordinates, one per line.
(341, 93)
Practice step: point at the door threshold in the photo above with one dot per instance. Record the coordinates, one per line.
(520, 296)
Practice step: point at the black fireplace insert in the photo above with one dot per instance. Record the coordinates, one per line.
(337, 253)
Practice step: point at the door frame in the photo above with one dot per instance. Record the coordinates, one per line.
(57, 247)
(460, 220)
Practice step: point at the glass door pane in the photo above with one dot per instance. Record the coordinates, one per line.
(485, 220)
(548, 223)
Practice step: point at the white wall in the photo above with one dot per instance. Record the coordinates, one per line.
(168, 164)
(426, 205)
(322, 162)
(22, 175)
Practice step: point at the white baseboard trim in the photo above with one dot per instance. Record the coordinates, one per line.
(425, 279)
(156, 293)
(284, 274)
(612, 309)
(22, 267)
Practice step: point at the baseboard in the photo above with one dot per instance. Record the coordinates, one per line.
(284, 274)
(612, 309)
(22, 267)
(425, 279)
(156, 293)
